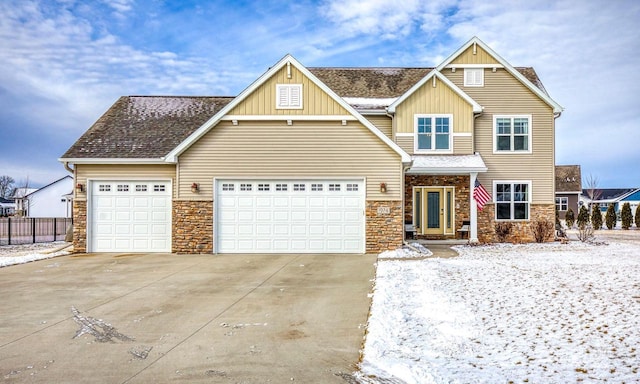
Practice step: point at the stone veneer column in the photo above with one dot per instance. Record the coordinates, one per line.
(192, 227)
(79, 226)
(384, 226)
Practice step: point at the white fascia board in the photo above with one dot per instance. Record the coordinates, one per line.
(557, 108)
(204, 128)
(445, 171)
(112, 161)
(288, 117)
(477, 108)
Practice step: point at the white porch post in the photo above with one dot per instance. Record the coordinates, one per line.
(473, 209)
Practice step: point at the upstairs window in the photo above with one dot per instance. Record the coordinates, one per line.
(512, 134)
(562, 203)
(474, 77)
(288, 96)
(433, 133)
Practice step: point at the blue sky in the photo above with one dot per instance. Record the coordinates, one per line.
(64, 62)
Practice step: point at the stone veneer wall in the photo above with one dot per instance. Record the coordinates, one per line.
(192, 227)
(521, 231)
(461, 184)
(384, 226)
(80, 226)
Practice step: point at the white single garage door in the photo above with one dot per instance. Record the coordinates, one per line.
(290, 216)
(130, 216)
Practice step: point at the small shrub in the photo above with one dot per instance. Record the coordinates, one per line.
(503, 230)
(558, 223)
(542, 230)
(583, 217)
(610, 217)
(596, 217)
(625, 216)
(585, 234)
(569, 218)
(637, 218)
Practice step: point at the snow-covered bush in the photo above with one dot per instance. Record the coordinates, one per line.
(585, 234)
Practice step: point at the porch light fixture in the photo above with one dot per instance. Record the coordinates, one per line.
(383, 187)
(80, 187)
(194, 188)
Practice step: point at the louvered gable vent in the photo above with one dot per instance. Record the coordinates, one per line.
(289, 96)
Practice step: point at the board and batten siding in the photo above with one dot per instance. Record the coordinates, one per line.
(438, 100)
(262, 101)
(383, 123)
(503, 94)
(122, 172)
(480, 57)
(305, 149)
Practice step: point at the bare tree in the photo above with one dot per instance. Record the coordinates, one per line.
(593, 192)
(6, 186)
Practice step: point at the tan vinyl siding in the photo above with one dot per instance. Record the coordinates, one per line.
(467, 57)
(382, 122)
(269, 149)
(462, 145)
(406, 143)
(122, 172)
(503, 94)
(438, 100)
(263, 100)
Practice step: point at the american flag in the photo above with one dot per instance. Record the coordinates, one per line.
(480, 195)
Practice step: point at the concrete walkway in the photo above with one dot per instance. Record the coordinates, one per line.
(157, 318)
(441, 250)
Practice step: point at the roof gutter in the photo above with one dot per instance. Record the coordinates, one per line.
(77, 161)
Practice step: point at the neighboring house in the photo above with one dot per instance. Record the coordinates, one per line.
(19, 198)
(568, 188)
(615, 196)
(7, 207)
(51, 200)
(322, 160)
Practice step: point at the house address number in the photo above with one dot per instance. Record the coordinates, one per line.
(384, 211)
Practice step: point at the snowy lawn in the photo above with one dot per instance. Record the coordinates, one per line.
(20, 254)
(537, 313)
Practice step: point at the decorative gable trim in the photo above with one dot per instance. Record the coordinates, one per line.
(288, 60)
(435, 75)
(557, 108)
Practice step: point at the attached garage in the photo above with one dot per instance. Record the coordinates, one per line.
(129, 216)
(290, 216)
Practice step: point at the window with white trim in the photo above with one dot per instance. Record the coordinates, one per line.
(104, 188)
(228, 187)
(474, 77)
(512, 133)
(316, 187)
(298, 187)
(288, 96)
(562, 203)
(352, 187)
(245, 187)
(512, 199)
(141, 188)
(433, 133)
(281, 187)
(334, 187)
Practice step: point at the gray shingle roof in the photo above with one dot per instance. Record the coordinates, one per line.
(145, 126)
(568, 178)
(149, 127)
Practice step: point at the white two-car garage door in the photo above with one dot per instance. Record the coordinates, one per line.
(130, 216)
(290, 216)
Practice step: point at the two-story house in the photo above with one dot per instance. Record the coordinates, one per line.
(322, 160)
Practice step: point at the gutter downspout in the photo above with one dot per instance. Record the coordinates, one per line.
(69, 169)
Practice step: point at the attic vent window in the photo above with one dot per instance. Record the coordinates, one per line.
(288, 96)
(474, 77)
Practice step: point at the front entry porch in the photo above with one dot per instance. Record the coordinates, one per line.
(437, 206)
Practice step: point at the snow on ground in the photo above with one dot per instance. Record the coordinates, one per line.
(20, 254)
(537, 313)
(414, 251)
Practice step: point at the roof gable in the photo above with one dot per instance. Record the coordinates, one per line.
(286, 61)
(635, 196)
(479, 46)
(436, 76)
(66, 178)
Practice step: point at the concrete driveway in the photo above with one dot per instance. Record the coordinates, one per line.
(142, 318)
